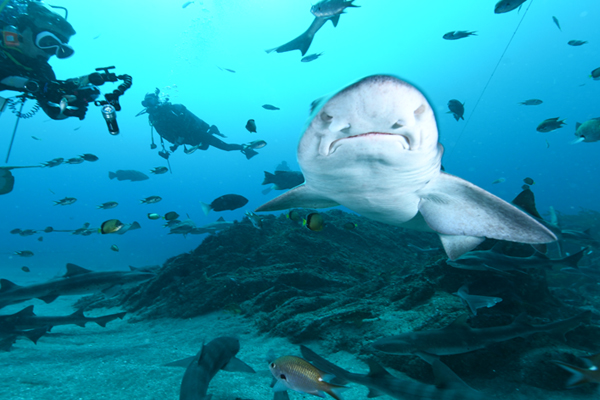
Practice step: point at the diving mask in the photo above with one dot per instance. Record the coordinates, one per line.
(51, 44)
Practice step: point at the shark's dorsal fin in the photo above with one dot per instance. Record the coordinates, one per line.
(459, 323)
(6, 285)
(48, 299)
(78, 313)
(577, 125)
(526, 202)
(26, 312)
(73, 270)
(376, 370)
(221, 219)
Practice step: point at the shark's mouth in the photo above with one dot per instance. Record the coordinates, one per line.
(401, 139)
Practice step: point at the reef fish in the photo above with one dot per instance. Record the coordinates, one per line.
(589, 131)
(550, 124)
(225, 202)
(128, 175)
(457, 109)
(295, 373)
(455, 35)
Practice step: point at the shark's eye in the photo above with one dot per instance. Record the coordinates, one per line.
(397, 125)
(420, 110)
(326, 117)
(282, 376)
(272, 365)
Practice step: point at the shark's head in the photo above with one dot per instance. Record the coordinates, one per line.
(401, 344)
(380, 118)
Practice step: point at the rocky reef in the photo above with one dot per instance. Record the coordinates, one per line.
(346, 287)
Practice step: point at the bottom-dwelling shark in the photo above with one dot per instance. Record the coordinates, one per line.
(379, 381)
(75, 281)
(218, 354)
(458, 337)
(373, 148)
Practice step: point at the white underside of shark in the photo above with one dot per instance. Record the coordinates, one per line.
(373, 148)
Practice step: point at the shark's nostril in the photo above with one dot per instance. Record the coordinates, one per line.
(339, 125)
(397, 125)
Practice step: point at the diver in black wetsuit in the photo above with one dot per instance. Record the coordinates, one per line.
(31, 34)
(179, 126)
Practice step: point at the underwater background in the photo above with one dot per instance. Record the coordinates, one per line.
(184, 53)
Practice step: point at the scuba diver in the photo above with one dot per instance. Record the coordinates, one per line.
(179, 126)
(31, 34)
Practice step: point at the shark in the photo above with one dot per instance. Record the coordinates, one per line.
(494, 260)
(373, 147)
(459, 338)
(380, 381)
(326, 10)
(26, 319)
(77, 280)
(218, 354)
(8, 338)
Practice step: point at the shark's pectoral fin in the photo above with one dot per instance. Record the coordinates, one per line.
(300, 196)
(237, 365)
(335, 20)
(453, 206)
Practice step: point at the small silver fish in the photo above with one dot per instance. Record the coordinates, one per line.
(311, 57)
(151, 200)
(255, 219)
(65, 202)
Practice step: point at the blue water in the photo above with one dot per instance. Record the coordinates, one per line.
(180, 51)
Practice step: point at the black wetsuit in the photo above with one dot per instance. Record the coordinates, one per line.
(176, 124)
(40, 71)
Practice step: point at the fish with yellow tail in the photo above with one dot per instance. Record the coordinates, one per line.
(297, 374)
(583, 375)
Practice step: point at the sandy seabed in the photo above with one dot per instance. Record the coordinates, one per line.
(126, 360)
